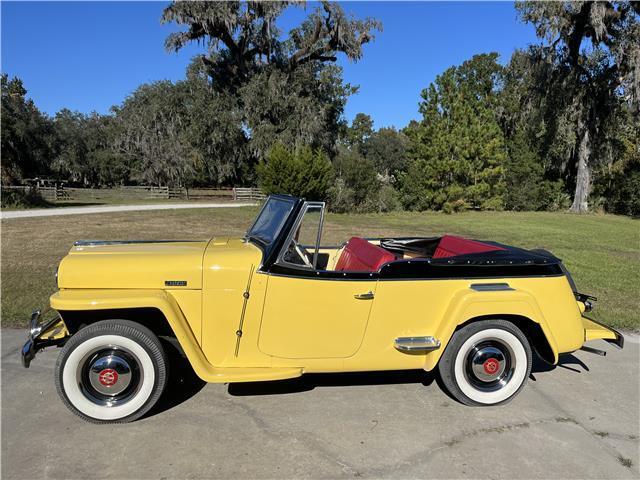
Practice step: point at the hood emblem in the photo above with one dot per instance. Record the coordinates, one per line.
(175, 283)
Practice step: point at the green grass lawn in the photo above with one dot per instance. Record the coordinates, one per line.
(601, 251)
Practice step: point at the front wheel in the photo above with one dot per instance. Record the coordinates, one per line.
(486, 363)
(112, 371)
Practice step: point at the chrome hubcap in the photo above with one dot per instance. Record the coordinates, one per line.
(109, 376)
(489, 365)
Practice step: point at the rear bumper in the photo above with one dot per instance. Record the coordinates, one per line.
(41, 335)
(594, 330)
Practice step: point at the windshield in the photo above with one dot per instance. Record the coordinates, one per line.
(271, 219)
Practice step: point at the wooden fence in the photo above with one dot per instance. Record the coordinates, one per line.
(146, 191)
(51, 194)
(209, 193)
(248, 194)
(58, 193)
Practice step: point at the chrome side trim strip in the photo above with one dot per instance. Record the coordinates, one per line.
(91, 243)
(490, 287)
(413, 344)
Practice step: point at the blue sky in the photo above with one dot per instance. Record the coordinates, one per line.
(87, 56)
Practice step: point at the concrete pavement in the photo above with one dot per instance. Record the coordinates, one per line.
(51, 212)
(580, 420)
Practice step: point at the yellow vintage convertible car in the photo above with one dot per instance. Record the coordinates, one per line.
(277, 304)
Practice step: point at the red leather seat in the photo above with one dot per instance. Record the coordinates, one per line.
(361, 256)
(450, 246)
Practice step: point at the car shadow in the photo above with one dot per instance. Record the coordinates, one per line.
(183, 383)
(565, 360)
(311, 381)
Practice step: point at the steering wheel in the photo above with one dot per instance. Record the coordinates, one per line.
(303, 255)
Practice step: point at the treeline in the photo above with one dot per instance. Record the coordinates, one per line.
(556, 127)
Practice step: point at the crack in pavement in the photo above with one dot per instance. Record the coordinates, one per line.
(608, 448)
(310, 441)
(435, 448)
(318, 446)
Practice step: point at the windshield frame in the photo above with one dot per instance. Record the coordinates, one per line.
(269, 247)
(273, 198)
(292, 231)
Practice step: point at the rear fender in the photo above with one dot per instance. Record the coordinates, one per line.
(468, 304)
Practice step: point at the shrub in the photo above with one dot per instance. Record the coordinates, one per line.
(358, 173)
(388, 199)
(358, 188)
(625, 195)
(302, 172)
(495, 203)
(20, 199)
(422, 190)
(454, 206)
(341, 198)
(527, 187)
(385, 199)
(551, 196)
(619, 190)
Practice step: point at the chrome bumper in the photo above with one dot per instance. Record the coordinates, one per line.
(34, 343)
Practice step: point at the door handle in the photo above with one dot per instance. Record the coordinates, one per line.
(364, 296)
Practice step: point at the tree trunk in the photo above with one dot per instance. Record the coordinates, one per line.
(583, 177)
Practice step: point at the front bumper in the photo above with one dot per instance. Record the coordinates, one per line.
(53, 332)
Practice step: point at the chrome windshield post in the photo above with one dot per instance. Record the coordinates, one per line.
(319, 237)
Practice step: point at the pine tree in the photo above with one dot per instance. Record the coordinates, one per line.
(457, 151)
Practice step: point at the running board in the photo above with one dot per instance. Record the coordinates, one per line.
(416, 344)
(249, 374)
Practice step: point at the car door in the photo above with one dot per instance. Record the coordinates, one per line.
(309, 317)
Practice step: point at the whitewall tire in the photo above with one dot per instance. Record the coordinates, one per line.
(486, 363)
(112, 371)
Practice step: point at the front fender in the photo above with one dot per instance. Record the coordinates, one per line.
(468, 304)
(86, 300)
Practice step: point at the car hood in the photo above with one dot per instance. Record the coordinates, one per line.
(159, 264)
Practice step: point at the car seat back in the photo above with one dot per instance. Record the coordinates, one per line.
(361, 256)
(451, 246)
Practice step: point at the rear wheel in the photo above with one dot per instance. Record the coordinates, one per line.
(112, 371)
(486, 363)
